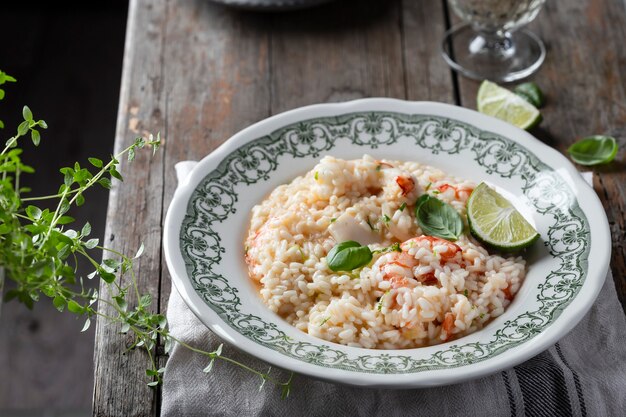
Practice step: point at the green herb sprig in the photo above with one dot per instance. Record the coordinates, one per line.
(40, 251)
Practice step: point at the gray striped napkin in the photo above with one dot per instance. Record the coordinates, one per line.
(584, 374)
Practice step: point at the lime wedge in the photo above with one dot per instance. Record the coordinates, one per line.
(506, 105)
(494, 221)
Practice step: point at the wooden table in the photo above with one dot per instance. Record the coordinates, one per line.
(200, 72)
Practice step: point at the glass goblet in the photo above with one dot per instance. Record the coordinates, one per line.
(491, 43)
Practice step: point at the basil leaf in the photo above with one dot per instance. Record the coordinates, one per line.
(593, 150)
(421, 201)
(348, 255)
(439, 219)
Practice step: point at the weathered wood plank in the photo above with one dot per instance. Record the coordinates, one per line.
(135, 210)
(203, 102)
(335, 53)
(585, 83)
(222, 87)
(427, 75)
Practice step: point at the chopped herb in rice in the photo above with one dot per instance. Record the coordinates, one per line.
(323, 322)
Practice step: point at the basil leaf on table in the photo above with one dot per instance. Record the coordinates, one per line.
(348, 255)
(593, 150)
(437, 218)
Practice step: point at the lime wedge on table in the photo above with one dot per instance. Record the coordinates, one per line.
(506, 105)
(493, 220)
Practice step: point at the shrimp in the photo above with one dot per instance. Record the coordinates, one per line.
(448, 325)
(398, 269)
(446, 249)
(507, 293)
(461, 191)
(406, 184)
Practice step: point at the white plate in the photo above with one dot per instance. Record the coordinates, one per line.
(209, 214)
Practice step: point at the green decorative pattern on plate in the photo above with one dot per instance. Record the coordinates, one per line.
(215, 198)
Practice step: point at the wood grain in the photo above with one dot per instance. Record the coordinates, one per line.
(321, 56)
(222, 88)
(584, 79)
(427, 75)
(135, 211)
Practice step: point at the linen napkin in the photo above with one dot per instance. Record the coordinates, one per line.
(584, 374)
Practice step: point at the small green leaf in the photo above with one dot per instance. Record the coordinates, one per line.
(1, 94)
(168, 345)
(105, 182)
(64, 207)
(22, 128)
(286, 390)
(59, 303)
(153, 383)
(121, 302)
(86, 325)
(95, 162)
(145, 300)
(115, 174)
(92, 243)
(36, 138)
(65, 220)
(208, 368)
(74, 307)
(111, 263)
(27, 114)
(139, 251)
(594, 150)
(439, 219)
(347, 256)
(80, 200)
(33, 212)
(107, 277)
(1, 124)
(86, 231)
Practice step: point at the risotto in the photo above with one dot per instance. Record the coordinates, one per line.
(424, 291)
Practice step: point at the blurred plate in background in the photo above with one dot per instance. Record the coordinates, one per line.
(271, 5)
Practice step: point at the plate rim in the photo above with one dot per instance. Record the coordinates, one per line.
(562, 325)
